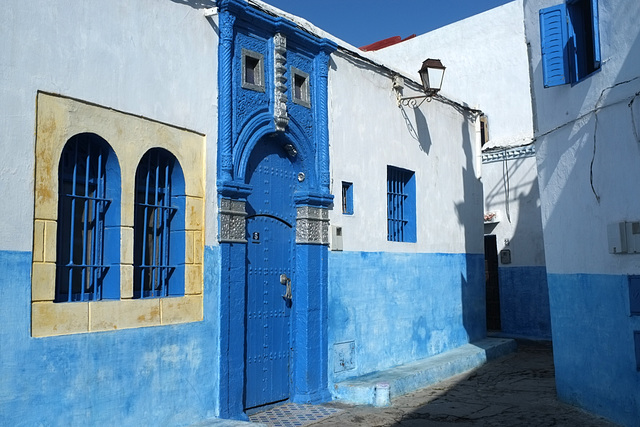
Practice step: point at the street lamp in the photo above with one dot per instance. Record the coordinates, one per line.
(431, 75)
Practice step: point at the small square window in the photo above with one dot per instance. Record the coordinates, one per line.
(347, 198)
(300, 87)
(252, 70)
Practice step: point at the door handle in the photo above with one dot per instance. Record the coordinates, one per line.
(287, 282)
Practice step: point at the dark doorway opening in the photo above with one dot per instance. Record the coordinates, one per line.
(492, 282)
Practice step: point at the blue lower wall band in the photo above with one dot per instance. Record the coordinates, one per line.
(163, 375)
(524, 302)
(593, 344)
(386, 309)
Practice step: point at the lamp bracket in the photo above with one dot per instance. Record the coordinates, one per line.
(413, 101)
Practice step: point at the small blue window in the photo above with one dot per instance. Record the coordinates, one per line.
(88, 232)
(347, 198)
(401, 205)
(159, 226)
(570, 41)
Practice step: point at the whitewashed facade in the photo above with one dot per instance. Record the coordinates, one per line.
(487, 68)
(218, 93)
(586, 131)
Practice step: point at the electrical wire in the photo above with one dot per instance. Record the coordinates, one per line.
(507, 184)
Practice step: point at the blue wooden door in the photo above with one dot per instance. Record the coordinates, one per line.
(271, 238)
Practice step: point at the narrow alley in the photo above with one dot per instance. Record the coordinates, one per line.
(514, 390)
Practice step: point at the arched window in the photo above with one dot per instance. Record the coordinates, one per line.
(159, 226)
(88, 171)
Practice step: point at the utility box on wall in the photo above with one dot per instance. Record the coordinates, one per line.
(633, 237)
(505, 256)
(624, 237)
(336, 238)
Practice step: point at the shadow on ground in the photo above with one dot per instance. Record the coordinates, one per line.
(517, 389)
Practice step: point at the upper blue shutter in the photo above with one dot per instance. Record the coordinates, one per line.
(553, 38)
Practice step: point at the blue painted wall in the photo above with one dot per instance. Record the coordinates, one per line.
(163, 375)
(524, 301)
(401, 307)
(593, 344)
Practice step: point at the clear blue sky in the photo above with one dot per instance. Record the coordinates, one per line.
(362, 22)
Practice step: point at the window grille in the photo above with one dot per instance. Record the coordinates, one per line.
(252, 70)
(300, 87)
(81, 219)
(347, 198)
(400, 205)
(152, 225)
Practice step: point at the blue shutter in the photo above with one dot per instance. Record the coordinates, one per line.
(553, 38)
(596, 34)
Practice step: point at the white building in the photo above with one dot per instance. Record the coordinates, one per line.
(585, 62)
(172, 175)
(487, 67)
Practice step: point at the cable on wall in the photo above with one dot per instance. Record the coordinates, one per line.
(507, 185)
(593, 158)
(633, 119)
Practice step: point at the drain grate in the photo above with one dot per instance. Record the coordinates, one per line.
(293, 415)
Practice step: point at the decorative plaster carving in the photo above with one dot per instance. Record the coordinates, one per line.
(312, 225)
(322, 119)
(225, 95)
(232, 221)
(509, 154)
(280, 115)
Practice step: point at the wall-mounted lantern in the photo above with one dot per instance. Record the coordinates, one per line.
(431, 76)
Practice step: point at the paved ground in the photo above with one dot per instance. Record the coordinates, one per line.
(515, 390)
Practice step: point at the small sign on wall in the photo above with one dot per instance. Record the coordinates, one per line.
(505, 256)
(344, 356)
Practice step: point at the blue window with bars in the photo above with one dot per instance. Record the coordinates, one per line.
(347, 198)
(159, 239)
(570, 42)
(401, 205)
(88, 231)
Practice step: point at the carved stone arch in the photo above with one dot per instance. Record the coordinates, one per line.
(261, 125)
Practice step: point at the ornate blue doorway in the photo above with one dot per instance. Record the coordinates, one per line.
(273, 182)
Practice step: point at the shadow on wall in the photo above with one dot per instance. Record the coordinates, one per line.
(469, 213)
(524, 294)
(201, 5)
(588, 170)
(197, 4)
(419, 132)
(472, 281)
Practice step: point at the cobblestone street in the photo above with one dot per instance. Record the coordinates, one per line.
(515, 390)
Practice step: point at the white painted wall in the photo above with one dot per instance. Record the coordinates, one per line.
(153, 58)
(368, 131)
(487, 67)
(519, 224)
(574, 220)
